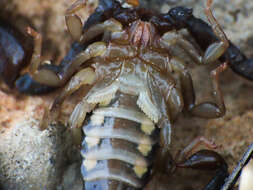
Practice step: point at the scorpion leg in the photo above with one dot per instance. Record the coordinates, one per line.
(84, 77)
(77, 117)
(172, 38)
(76, 6)
(166, 165)
(182, 17)
(208, 160)
(238, 62)
(93, 50)
(204, 160)
(209, 109)
(46, 77)
(75, 27)
(103, 12)
(201, 160)
(53, 75)
(215, 50)
(204, 109)
(110, 25)
(25, 83)
(193, 145)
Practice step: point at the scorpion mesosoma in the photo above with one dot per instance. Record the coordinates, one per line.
(125, 54)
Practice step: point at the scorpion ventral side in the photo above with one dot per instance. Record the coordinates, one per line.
(134, 63)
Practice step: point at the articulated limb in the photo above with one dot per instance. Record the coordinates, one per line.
(172, 38)
(211, 161)
(205, 35)
(208, 109)
(75, 27)
(53, 75)
(44, 75)
(205, 160)
(84, 77)
(204, 109)
(98, 23)
(217, 49)
(201, 160)
(213, 52)
(193, 145)
(231, 180)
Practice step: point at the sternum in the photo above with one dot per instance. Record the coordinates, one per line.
(118, 145)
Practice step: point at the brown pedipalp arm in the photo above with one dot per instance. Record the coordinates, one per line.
(213, 53)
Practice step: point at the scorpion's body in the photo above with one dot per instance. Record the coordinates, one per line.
(135, 62)
(121, 134)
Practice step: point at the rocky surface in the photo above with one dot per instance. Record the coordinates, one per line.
(33, 159)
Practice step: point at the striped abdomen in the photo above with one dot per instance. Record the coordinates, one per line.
(118, 148)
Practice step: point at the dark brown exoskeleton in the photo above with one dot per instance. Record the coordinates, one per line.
(139, 85)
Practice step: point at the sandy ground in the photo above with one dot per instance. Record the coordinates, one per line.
(27, 154)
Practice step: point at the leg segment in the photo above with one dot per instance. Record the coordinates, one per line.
(215, 50)
(75, 27)
(208, 160)
(25, 84)
(205, 160)
(181, 157)
(83, 77)
(172, 38)
(53, 75)
(110, 25)
(193, 145)
(97, 22)
(205, 109)
(209, 109)
(201, 160)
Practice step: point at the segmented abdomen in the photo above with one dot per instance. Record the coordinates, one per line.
(118, 148)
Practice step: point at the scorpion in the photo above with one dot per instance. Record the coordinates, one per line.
(138, 86)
